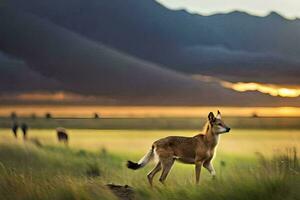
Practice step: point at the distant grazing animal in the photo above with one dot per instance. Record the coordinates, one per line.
(24, 128)
(62, 135)
(198, 150)
(14, 128)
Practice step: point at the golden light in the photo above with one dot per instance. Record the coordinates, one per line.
(270, 89)
(59, 96)
(64, 110)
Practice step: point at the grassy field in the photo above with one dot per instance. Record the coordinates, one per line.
(166, 123)
(95, 158)
(240, 142)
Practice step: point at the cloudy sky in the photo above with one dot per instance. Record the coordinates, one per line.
(288, 8)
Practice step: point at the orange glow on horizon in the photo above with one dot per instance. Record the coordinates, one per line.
(59, 96)
(145, 111)
(270, 89)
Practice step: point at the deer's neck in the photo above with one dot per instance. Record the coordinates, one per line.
(211, 139)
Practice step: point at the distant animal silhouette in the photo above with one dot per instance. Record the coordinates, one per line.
(198, 150)
(14, 128)
(62, 135)
(24, 128)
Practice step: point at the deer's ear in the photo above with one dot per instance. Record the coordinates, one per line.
(218, 115)
(211, 117)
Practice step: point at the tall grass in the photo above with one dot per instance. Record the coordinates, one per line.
(50, 172)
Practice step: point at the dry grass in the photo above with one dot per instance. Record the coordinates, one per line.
(238, 142)
(95, 158)
(52, 172)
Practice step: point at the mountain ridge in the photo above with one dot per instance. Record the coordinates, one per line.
(148, 30)
(141, 50)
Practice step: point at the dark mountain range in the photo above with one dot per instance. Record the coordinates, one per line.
(16, 76)
(221, 44)
(85, 67)
(139, 52)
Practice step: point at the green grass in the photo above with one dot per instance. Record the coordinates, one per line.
(239, 142)
(56, 172)
(49, 173)
(95, 158)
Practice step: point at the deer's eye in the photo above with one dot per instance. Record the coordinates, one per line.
(219, 124)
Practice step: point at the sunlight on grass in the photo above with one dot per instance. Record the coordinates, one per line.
(59, 172)
(137, 142)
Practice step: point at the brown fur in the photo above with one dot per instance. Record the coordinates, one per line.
(198, 150)
(62, 135)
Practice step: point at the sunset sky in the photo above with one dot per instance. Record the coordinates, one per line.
(287, 8)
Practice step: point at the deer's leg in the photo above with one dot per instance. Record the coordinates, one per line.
(198, 165)
(166, 166)
(154, 171)
(209, 166)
